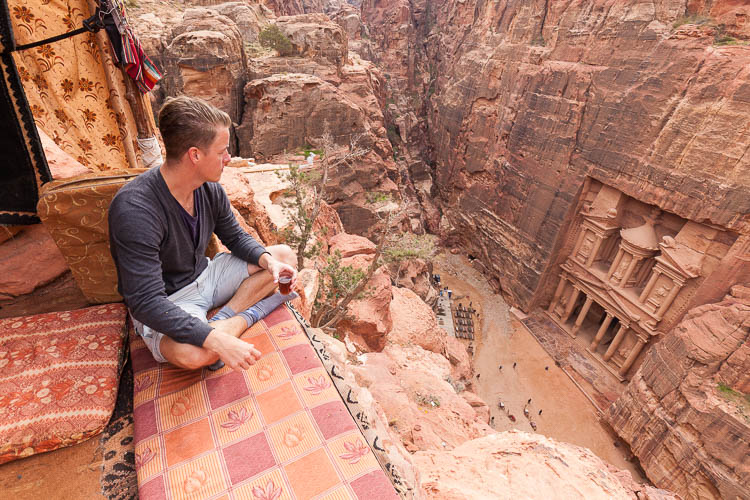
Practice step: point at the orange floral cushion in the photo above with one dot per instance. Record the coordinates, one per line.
(276, 431)
(58, 377)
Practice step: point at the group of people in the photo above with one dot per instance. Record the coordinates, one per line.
(526, 407)
(512, 418)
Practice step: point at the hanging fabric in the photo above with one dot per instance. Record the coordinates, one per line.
(127, 50)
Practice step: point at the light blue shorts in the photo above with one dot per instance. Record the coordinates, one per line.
(213, 288)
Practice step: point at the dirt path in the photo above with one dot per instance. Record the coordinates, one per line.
(502, 341)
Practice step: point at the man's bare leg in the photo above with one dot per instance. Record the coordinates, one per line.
(254, 288)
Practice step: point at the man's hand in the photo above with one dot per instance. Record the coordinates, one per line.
(275, 267)
(235, 353)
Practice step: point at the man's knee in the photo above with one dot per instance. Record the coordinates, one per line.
(285, 254)
(198, 359)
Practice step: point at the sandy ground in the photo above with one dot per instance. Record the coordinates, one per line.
(502, 340)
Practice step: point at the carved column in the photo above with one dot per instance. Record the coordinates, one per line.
(629, 271)
(650, 285)
(600, 333)
(594, 252)
(571, 304)
(582, 315)
(615, 342)
(615, 263)
(558, 292)
(668, 300)
(579, 241)
(631, 357)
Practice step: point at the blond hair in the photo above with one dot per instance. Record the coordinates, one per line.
(185, 122)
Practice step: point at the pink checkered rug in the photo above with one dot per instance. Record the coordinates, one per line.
(276, 431)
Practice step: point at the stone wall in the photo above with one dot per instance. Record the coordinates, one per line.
(525, 99)
(686, 412)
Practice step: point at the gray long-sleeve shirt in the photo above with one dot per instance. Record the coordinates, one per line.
(155, 253)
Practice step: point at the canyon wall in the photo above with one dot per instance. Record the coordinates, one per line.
(518, 102)
(508, 111)
(686, 411)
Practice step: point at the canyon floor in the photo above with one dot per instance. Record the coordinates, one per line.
(501, 340)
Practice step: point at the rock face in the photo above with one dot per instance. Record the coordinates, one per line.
(368, 320)
(414, 322)
(519, 465)
(525, 100)
(242, 197)
(34, 285)
(285, 112)
(686, 410)
(317, 38)
(416, 275)
(249, 18)
(205, 58)
(423, 409)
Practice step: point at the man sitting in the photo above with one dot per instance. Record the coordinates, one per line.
(160, 225)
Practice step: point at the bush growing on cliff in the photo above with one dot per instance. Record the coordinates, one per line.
(307, 191)
(339, 285)
(272, 37)
(696, 19)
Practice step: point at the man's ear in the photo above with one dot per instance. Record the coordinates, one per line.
(194, 154)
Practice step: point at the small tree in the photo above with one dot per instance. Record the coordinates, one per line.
(272, 37)
(339, 285)
(308, 190)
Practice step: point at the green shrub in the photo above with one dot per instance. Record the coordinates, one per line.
(272, 37)
(691, 19)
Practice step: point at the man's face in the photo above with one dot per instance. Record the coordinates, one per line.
(214, 157)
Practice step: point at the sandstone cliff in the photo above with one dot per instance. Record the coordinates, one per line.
(524, 100)
(686, 412)
(282, 104)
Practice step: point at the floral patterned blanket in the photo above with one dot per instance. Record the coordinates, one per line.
(279, 430)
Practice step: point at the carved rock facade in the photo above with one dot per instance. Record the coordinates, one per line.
(630, 273)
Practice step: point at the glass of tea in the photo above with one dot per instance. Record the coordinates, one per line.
(285, 284)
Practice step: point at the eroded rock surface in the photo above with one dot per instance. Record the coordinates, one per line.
(686, 413)
(524, 100)
(411, 385)
(515, 464)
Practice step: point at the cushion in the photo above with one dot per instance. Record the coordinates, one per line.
(277, 430)
(58, 377)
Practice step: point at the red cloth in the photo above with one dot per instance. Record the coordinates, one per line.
(58, 377)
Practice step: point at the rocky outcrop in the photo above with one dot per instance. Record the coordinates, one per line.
(286, 112)
(416, 275)
(285, 7)
(525, 100)
(249, 18)
(519, 465)
(34, 285)
(316, 37)
(349, 245)
(242, 197)
(368, 320)
(205, 58)
(414, 322)
(412, 386)
(686, 412)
